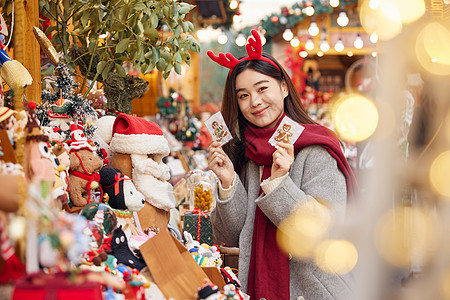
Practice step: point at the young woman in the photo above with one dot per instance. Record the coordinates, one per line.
(260, 185)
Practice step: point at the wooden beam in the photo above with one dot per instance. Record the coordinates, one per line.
(26, 48)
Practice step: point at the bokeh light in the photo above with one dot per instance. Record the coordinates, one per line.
(336, 256)
(385, 20)
(355, 117)
(440, 174)
(433, 49)
(410, 10)
(301, 231)
(406, 235)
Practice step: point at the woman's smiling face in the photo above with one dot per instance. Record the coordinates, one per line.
(260, 98)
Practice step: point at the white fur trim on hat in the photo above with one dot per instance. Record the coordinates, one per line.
(139, 144)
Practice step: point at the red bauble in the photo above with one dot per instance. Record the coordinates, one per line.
(274, 19)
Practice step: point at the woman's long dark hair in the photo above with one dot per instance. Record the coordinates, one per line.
(236, 121)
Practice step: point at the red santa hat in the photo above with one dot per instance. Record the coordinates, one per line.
(78, 139)
(134, 135)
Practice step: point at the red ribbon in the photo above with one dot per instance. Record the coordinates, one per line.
(117, 179)
(89, 178)
(200, 213)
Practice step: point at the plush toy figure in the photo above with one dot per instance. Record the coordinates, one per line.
(84, 167)
(139, 147)
(209, 291)
(122, 196)
(120, 249)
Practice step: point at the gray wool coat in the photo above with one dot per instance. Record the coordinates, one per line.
(314, 174)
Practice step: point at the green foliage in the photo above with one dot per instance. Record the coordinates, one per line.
(134, 32)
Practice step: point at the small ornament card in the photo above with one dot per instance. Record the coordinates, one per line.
(218, 129)
(287, 132)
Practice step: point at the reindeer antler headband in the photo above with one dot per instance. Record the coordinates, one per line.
(254, 50)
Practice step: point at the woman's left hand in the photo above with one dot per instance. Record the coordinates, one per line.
(283, 158)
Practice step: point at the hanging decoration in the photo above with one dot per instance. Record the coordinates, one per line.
(294, 63)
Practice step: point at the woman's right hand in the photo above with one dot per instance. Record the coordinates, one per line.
(221, 165)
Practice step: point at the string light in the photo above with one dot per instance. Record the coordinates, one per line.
(334, 3)
(373, 4)
(240, 40)
(309, 44)
(295, 42)
(342, 19)
(358, 42)
(324, 46)
(222, 38)
(309, 10)
(349, 53)
(320, 53)
(313, 29)
(287, 34)
(263, 38)
(374, 38)
(303, 54)
(234, 4)
(339, 46)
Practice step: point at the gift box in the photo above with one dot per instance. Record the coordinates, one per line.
(198, 224)
(56, 286)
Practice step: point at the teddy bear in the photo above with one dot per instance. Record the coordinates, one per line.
(121, 195)
(84, 166)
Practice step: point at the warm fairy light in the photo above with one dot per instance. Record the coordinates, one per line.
(342, 19)
(374, 54)
(309, 45)
(404, 235)
(358, 43)
(440, 173)
(339, 46)
(201, 34)
(222, 38)
(374, 38)
(301, 231)
(288, 34)
(263, 39)
(295, 42)
(309, 11)
(373, 4)
(433, 49)
(336, 256)
(237, 19)
(313, 29)
(240, 40)
(355, 117)
(349, 53)
(319, 53)
(324, 46)
(410, 10)
(234, 4)
(334, 3)
(386, 20)
(303, 54)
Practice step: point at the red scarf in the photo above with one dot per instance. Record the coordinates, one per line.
(269, 266)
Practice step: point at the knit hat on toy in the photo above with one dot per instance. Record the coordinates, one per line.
(78, 139)
(134, 135)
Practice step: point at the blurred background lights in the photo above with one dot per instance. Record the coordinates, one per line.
(313, 28)
(324, 46)
(303, 54)
(406, 235)
(334, 3)
(410, 10)
(355, 117)
(295, 42)
(374, 38)
(301, 231)
(373, 4)
(309, 10)
(234, 4)
(287, 34)
(385, 20)
(349, 53)
(336, 256)
(309, 44)
(358, 43)
(342, 19)
(319, 53)
(440, 174)
(339, 46)
(201, 34)
(222, 38)
(240, 40)
(433, 49)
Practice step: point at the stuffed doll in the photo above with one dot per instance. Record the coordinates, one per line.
(84, 167)
(121, 195)
(120, 249)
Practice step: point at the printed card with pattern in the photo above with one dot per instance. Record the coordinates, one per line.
(218, 129)
(287, 132)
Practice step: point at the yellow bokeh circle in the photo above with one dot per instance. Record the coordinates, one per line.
(336, 256)
(433, 48)
(385, 20)
(410, 10)
(406, 235)
(355, 117)
(440, 174)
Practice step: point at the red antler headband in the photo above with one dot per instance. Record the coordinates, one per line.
(254, 50)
